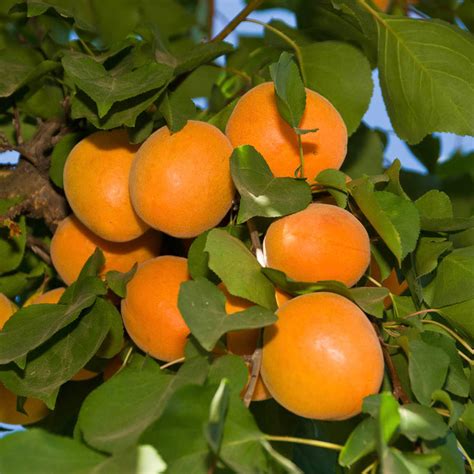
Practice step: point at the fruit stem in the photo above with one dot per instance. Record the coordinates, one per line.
(235, 22)
(287, 40)
(310, 442)
(300, 148)
(173, 362)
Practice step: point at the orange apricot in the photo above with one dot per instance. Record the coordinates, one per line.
(73, 244)
(150, 310)
(96, 179)
(256, 121)
(36, 410)
(322, 242)
(382, 4)
(322, 357)
(392, 282)
(112, 367)
(7, 308)
(50, 297)
(180, 183)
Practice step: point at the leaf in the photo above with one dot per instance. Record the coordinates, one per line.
(341, 73)
(238, 269)
(289, 89)
(468, 416)
(114, 341)
(455, 408)
(12, 247)
(106, 88)
(117, 281)
(361, 442)
(59, 156)
(451, 458)
(395, 219)
(217, 414)
(198, 259)
(425, 73)
(371, 300)
(397, 462)
(60, 358)
(177, 109)
(115, 414)
(428, 251)
(455, 278)
(335, 182)
(460, 315)
(261, 193)
(364, 153)
(41, 452)
(434, 205)
(202, 306)
(428, 368)
(428, 152)
(417, 421)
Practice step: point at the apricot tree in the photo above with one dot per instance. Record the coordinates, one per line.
(247, 284)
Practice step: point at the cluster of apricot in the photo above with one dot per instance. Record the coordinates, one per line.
(322, 357)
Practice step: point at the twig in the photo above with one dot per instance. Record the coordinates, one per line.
(254, 237)
(398, 390)
(229, 28)
(311, 442)
(254, 373)
(17, 125)
(39, 248)
(173, 362)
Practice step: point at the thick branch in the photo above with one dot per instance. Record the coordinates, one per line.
(252, 5)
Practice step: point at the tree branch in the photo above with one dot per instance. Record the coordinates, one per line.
(252, 5)
(255, 364)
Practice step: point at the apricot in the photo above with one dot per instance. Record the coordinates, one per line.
(322, 357)
(392, 282)
(180, 183)
(50, 297)
(150, 310)
(322, 242)
(382, 4)
(112, 367)
(36, 409)
(96, 178)
(245, 342)
(73, 244)
(7, 308)
(256, 121)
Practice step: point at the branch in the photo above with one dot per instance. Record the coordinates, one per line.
(255, 364)
(39, 248)
(252, 5)
(398, 391)
(210, 17)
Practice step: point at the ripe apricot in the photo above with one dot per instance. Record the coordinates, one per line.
(50, 297)
(73, 244)
(322, 357)
(256, 121)
(391, 282)
(150, 310)
(112, 367)
(322, 242)
(7, 308)
(96, 178)
(382, 4)
(245, 342)
(180, 183)
(36, 410)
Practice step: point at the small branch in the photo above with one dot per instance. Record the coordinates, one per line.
(39, 248)
(254, 373)
(310, 442)
(173, 362)
(398, 391)
(254, 237)
(17, 126)
(252, 5)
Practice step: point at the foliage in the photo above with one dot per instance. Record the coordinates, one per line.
(77, 66)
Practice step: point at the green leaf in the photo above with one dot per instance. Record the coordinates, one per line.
(425, 73)
(417, 421)
(396, 462)
(202, 306)
(41, 452)
(451, 458)
(289, 89)
(428, 251)
(460, 315)
(395, 219)
(455, 278)
(239, 269)
(12, 248)
(115, 414)
(388, 419)
(117, 281)
(428, 152)
(59, 156)
(59, 359)
(335, 182)
(434, 205)
(217, 414)
(341, 73)
(113, 342)
(455, 408)
(261, 193)
(364, 153)
(177, 109)
(468, 416)
(106, 88)
(198, 259)
(428, 368)
(371, 300)
(361, 442)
